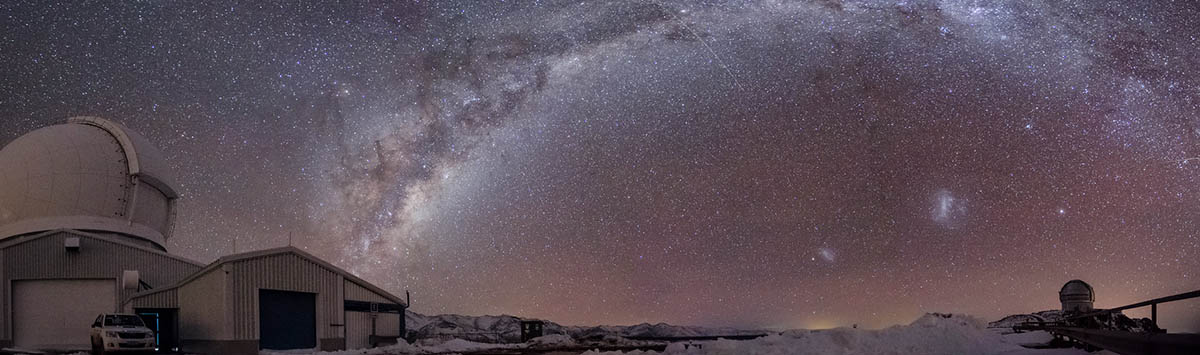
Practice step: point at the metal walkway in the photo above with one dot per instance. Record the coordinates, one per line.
(1123, 342)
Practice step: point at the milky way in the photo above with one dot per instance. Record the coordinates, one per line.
(758, 163)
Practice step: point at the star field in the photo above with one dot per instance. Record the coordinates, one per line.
(746, 163)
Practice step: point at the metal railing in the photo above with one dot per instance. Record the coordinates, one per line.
(1124, 342)
(1152, 303)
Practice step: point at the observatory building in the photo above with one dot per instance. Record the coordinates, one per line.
(80, 204)
(86, 210)
(1077, 296)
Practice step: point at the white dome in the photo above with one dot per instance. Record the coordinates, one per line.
(1077, 289)
(1077, 296)
(87, 174)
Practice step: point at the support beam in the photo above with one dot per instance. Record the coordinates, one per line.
(1181, 296)
(1154, 314)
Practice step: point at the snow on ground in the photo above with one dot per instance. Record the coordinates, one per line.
(931, 334)
(507, 329)
(29, 351)
(430, 346)
(552, 341)
(460, 346)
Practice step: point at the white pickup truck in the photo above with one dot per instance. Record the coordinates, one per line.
(117, 332)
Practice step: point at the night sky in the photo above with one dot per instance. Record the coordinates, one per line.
(757, 164)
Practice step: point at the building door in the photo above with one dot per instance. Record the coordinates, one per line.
(165, 323)
(287, 320)
(58, 314)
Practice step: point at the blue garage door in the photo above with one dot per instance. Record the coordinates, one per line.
(287, 320)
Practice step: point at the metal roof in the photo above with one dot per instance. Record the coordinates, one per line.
(11, 242)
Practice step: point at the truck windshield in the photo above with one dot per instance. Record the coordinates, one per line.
(122, 320)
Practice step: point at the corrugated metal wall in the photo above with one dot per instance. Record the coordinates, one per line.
(223, 304)
(46, 258)
(287, 272)
(358, 324)
(162, 299)
(4, 301)
(388, 324)
(203, 307)
(354, 292)
(358, 330)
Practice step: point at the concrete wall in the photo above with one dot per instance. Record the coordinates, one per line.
(44, 257)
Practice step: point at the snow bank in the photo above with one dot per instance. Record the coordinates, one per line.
(401, 348)
(449, 347)
(931, 334)
(660, 330)
(459, 345)
(552, 341)
(507, 329)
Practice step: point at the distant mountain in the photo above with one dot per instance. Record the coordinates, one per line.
(1043, 316)
(932, 334)
(507, 329)
(484, 329)
(660, 330)
(1111, 321)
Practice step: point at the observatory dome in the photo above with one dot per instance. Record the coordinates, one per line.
(1077, 296)
(89, 174)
